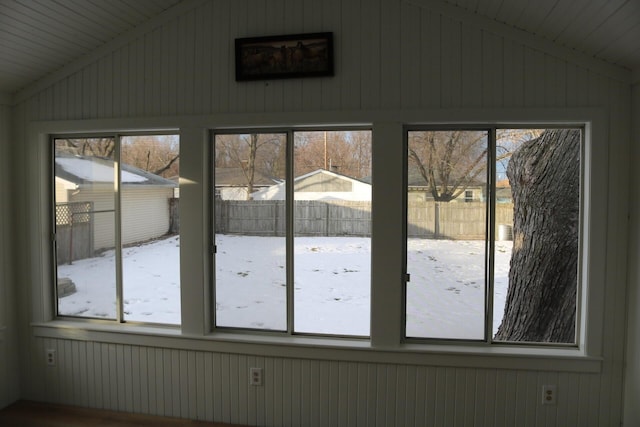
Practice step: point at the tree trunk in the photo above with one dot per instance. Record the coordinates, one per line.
(544, 174)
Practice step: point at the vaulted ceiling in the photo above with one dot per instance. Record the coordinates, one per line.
(38, 37)
(608, 30)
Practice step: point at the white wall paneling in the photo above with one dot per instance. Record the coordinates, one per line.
(391, 55)
(214, 386)
(9, 365)
(632, 370)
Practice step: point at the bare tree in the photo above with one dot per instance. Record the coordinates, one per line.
(345, 152)
(448, 161)
(158, 154)
(251, 152)
(96, 147)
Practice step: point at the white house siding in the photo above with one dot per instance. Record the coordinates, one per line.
(145, 213)
(390, 55)
(103, 199)
(232, 193)
(61, 195)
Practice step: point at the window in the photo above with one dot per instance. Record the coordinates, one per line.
(468, 196)
(293, 258)
(502, 270)
(487, 256)
(116, 227)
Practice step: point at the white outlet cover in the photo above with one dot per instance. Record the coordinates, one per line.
(549, 394)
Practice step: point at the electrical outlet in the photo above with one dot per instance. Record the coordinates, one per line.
(549, 394)
(255, 376)
(50, 357)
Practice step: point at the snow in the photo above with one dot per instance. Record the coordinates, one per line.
(90, 170)
(445, 296)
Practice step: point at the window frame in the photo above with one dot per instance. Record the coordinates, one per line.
(117, 137)
(490, 227)
(289, 132)
(385, 345)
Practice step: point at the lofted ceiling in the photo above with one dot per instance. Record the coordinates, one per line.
(38, 37)
(608, 30)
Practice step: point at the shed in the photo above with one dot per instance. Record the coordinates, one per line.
(145, 198)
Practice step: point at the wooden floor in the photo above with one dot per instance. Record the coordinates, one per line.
(31, 414)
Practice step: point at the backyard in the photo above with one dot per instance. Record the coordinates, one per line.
(445, 296)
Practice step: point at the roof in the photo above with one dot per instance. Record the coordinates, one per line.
(82, 170)
(234, 177)
(415, 179)
(277, 191)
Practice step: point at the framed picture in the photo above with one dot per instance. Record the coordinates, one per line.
(281, 57)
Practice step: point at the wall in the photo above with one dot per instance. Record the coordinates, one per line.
(9, 385)
(390, 55)
(632, 371)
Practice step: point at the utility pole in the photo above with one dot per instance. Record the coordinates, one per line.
(325, 150)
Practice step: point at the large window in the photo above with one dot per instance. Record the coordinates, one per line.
(502, 265)
(116, 227)
(477, 233)
(292, 221)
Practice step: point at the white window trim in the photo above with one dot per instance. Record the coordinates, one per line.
(385, 344)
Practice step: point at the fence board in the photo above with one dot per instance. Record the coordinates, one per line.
(350, 218)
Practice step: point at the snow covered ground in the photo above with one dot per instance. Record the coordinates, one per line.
(331, 290)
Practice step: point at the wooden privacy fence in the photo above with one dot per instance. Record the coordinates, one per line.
(346, 218)
(74, 231)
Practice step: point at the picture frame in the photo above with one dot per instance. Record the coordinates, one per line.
(285, 56)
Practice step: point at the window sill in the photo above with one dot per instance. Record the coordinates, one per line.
(325, 348)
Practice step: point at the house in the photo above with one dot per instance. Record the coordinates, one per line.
(320, 184)
(231, 183)
(87, 68)
(419, 191)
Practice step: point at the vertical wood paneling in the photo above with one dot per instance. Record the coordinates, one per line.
(618, 98)
(350, 55)
(471, 66)
(370, 55)
(450, 57)
(430, 59)
(534, 88)
(492, 85)
(168, 66)
(410, 59)
(214, 387)
(390, 53)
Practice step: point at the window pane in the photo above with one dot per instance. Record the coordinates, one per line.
(332, 223)
(446, 234)
(538, 222)
(250, 260)
(150, 240)
(85, 227)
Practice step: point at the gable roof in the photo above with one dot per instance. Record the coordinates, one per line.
(234, 177)
(84, 170)
(277, 191)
